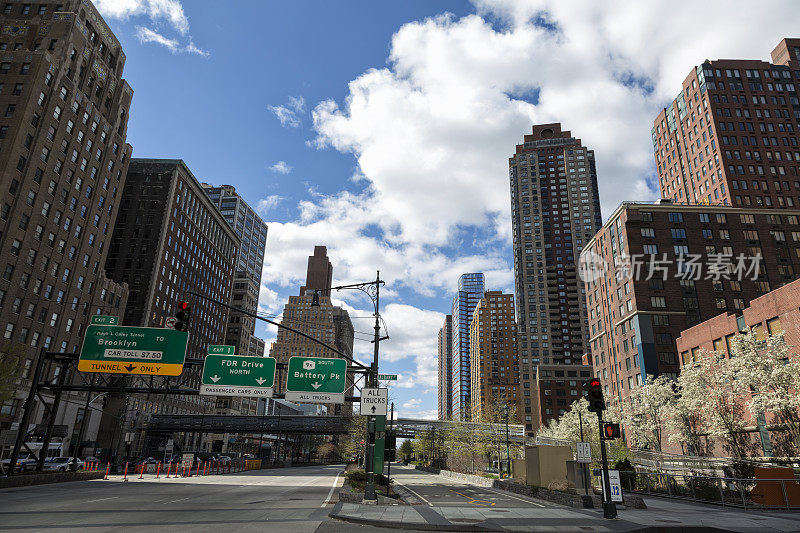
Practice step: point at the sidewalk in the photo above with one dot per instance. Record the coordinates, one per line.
(661, 515)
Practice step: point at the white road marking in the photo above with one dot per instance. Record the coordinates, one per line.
(510, 496)
(101, 499)
(414, 493)
(330, 492)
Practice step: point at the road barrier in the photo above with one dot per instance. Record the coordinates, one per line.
(158, 470)
(108, 467)
(125, 476)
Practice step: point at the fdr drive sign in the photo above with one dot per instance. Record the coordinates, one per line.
(316, 380)
(237, 375)
(132, 350)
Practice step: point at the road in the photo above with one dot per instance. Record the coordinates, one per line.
(442, 492)
(284, 500)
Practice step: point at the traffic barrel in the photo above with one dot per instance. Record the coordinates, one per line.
(198, 468)
(169, 466)
(158, 469)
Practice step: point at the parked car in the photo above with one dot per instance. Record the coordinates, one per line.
(91, 461)
(62, 464)
(248, 456)
(25, 463)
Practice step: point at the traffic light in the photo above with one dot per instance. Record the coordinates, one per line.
(390, 446)
(611, 431)
(182, 316)
(594, 395)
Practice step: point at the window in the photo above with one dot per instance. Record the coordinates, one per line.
(676, 217)
(678, 233)
(658, 301)
(648, 232)
(650, 249)
(704, 218)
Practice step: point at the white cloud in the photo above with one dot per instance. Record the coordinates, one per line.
(265, 205)
(289, 115)
(281, 167)
(161, 13)
(412, 403)
(432, 133)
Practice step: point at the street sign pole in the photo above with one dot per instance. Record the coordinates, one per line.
(369, 487)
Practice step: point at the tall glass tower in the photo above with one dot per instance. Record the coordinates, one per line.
(470, 291)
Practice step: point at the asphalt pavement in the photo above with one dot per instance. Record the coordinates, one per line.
(444, 492)
(285, 500)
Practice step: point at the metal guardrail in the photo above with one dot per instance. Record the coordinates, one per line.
(747, 494)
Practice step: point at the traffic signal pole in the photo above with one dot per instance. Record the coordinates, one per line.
(609, 507)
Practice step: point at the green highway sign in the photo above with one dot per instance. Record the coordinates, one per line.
(104, 320)
(221, 349)
(387, 377)
(133, 350)
(238, 375)
(316, 380)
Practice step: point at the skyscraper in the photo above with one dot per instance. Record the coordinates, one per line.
(470, 290)
(240, 331)
(169, 238)
(325, 322)
(63, 161)
(446, 369)
(494, 366)
(731, 135)
(555, 210)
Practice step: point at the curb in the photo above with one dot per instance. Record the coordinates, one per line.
(410, 526)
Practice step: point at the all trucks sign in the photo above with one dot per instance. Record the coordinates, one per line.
(133, 350)
(316, 380)
(238, 375)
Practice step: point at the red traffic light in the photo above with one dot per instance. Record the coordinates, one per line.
(183, 306)
(594, 382)
(611, 430)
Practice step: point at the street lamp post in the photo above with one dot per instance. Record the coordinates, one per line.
(371, 289)
(508, 446)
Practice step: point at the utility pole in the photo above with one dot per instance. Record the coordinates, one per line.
(584, 468)
(369, 487)
(389, 464)
(609, 507)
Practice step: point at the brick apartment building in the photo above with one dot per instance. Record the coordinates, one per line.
(731, 135)
(63, 161)
(634, 321)
(555, 388)
(776, 312)
(494, 365)
(555, 211)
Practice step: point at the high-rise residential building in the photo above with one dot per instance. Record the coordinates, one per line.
(731, 135)
(169, 238)
(63, 161)
(494, 366)
(445, 360)
(470, 291)
(325, 322)
(252, 231)
(555, 211)
(659, 269)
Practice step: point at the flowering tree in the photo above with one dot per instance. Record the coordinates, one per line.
(713, 386)
(646, 411)
(772, 372)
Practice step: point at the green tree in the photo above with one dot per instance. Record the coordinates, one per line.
(353, 443)
(406, 450)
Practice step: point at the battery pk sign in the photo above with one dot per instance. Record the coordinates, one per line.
(374, 401)
(316, 380)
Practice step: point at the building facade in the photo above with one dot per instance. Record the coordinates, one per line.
(169, 238)
(494, 365)
(774, 313)
(655, 270)
(555, 388)
(252, 231)
(731, 135)
(445, 360)
(63, 161)
(555, 211)
(470, 291)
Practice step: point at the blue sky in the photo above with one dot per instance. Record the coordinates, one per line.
(382, 129)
